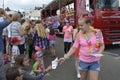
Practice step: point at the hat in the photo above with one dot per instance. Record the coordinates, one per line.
(38, 55)
(15, 40)
(37, 48)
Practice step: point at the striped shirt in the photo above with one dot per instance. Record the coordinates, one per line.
(13, 31)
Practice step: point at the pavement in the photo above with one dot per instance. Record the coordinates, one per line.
(110, 65)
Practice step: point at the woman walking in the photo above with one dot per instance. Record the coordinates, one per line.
(91, 44)
(67, 30)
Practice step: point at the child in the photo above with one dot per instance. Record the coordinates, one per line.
(15, 50)
(52, 37)
(38, 66)
(47, 30)
(22, 61)
(14, 74)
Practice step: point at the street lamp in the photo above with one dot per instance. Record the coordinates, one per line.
(3, 4)
(60, 6)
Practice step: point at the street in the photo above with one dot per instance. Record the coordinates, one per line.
(110, 67)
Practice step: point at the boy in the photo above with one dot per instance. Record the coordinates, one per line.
(15, 50)
(38, 66)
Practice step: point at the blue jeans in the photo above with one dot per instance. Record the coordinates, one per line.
(21, 48)
(2, 75)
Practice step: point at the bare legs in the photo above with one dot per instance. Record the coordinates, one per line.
(52, 51)
(76, 67)
(84, 75)
(93, 75)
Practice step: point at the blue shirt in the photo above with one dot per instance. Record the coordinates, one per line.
(3, 24)
(55, 25)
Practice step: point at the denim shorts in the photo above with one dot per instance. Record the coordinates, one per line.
(94, 66)
(52, 43)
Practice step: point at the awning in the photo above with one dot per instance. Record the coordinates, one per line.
(56, 4)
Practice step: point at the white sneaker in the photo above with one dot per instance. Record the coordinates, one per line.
(78, 76)
(55, 63)
(32, 72)
(48, 74)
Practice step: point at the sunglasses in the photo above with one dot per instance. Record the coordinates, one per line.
(67, 22)
(80, 25)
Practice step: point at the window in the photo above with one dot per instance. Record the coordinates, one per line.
(90, 5)
(107, 3)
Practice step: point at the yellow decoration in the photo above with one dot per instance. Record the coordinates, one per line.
(89, 43)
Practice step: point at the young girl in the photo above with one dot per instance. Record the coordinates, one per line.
(47, 30)
(52, 37)
(91, 42)
(76, 54)
(22, 62)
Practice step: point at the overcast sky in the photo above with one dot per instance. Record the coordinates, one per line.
(23, 4)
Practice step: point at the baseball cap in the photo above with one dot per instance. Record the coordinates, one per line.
(15, 40)
(38, 55)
